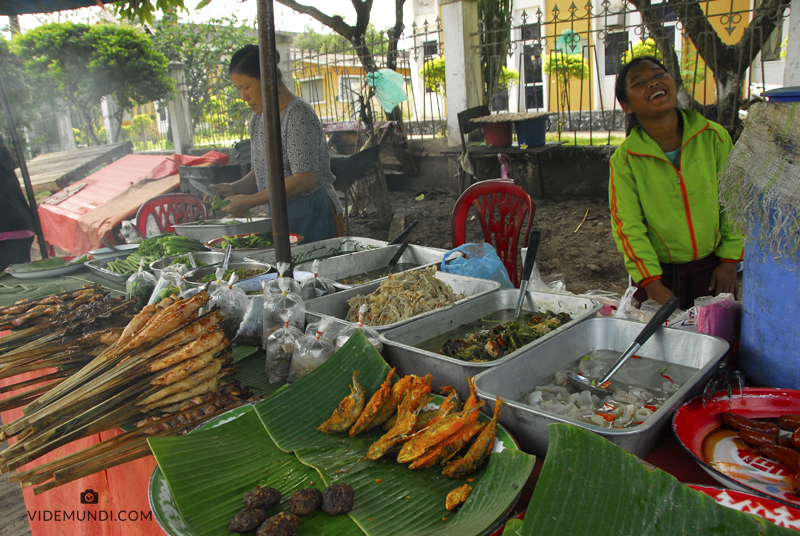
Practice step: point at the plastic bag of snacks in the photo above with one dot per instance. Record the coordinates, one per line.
(171, 282)
(316, 286)
(140, 286)
(275, 304)
(273, 286)
(310, 352)
(369, 333)
(280, 347)
(249, 333)
(232, 303)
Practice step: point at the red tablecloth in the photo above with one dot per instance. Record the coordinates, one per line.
(112, 194)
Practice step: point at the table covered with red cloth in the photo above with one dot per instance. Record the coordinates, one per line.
(113, 194)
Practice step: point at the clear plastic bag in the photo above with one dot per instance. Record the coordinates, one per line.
(275, 304)
(369, 333)
(170, 283)
(477, 260)
(330, 334)
(388, 86)
(311, 351)
(232, 303)
(550, 283)
(316, 286)
(140, 286)
(280, 347)
(273, 286)
(249, 333)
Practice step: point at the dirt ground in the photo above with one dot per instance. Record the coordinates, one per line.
(587, 259)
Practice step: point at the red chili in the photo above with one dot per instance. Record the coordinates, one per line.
(606, 416)
(667, 377)
(635, 356)
(651, 408)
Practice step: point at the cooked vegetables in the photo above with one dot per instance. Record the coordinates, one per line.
(251, 241)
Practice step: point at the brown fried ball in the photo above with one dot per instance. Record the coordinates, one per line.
(337, 499)
(304, 501)
(282, 524)
(247, 520)
(262, 497)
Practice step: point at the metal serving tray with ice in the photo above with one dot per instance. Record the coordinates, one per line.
(514, 379)
(321, 249)
(373, 260)
(401, 343)
(336, 305)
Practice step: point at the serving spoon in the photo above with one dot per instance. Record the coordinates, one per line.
(582, 383)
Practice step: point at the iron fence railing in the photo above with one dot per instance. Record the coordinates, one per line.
(566, 62)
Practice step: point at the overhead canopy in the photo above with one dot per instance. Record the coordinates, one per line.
(25, 7)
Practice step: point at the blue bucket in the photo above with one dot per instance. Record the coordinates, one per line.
(531, 131)
(769, 351)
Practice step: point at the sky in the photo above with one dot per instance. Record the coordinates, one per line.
(285, 19)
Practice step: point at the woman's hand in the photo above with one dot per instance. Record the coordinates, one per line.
(658, 292)
(238, 206)
(224, 189)
(724, 278)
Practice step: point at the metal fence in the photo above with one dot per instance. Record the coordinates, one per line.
(566, 62)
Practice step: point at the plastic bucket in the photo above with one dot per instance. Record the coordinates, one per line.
(497, 134)
(531, 131)
(769, 351)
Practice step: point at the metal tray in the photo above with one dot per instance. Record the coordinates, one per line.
(193, 277)
(208, 257)
(401, 341)
(123, 250)
(335, 305)
(321, 249)
(206, 232)
(365, 261)
(514, 379)
(99, 268)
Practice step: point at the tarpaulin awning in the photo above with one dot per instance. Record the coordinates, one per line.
(113, 194)
(24, 7)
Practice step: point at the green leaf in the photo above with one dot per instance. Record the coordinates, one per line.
(512, 526)
(55, 262)
(614, 492)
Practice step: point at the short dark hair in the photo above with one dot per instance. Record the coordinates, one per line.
(245, 61)
(621, 89)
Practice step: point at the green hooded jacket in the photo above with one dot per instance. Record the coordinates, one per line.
(664, 214)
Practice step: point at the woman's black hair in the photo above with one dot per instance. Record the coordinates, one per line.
(621, 89)
(245, 61)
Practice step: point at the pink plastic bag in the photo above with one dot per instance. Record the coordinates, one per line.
(719, 316)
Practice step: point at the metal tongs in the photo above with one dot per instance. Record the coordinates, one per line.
(721, 381)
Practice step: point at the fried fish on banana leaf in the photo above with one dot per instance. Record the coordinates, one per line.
(373, 407)
(435, 434)
(404, 426)
(457, 497)
(478, 451)
(448, 448)
(387, 410)
(348, 411)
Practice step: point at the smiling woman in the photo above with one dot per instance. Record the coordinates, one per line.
(313, 205)
(664, 192)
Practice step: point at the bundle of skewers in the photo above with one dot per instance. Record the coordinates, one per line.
(166, 372)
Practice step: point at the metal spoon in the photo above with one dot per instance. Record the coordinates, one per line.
(227, 258)
(530, 257)
(582, 383)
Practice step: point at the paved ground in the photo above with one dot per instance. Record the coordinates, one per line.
(13, 520)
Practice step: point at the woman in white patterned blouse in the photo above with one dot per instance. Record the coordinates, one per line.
(312, 202)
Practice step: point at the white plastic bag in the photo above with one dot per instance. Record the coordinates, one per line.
(275, 304)
(273, 286)
(310, 352)
(280, 347)
(170, 283)
(369, 333)
(316, 286)
(232, 303)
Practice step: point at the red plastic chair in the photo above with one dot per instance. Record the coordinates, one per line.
(502, 208)
(167, 210)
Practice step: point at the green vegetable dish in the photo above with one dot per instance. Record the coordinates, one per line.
(481, 344)
(154, 248)
(251, 241)
(242, 273)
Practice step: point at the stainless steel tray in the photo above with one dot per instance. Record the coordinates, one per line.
(335, 305)
(99, 268)
(208, 257)
(401, 341)
(322, 249)
(193, 278)
(515, 378)
(207, 232)
(360, 262)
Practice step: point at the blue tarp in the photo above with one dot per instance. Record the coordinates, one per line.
(24, 7)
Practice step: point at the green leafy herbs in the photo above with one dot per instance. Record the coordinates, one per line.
(241, 273)
(154, 248)
(251, 241)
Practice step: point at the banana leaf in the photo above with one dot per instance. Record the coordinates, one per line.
(616, 493)
(54, 262)
(390, 498)
(209, 471)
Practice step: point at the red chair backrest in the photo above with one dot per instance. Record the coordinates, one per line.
(169, 209)
(502, 208)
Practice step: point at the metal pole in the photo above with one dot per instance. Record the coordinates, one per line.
(26, 178)
(272, 130)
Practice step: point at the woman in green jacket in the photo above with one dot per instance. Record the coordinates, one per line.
(663, 192)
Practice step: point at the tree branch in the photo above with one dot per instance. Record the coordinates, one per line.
(336, 23)
(768, 18)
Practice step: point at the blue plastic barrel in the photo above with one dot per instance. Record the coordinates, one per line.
(531, 131)
(769, 351)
